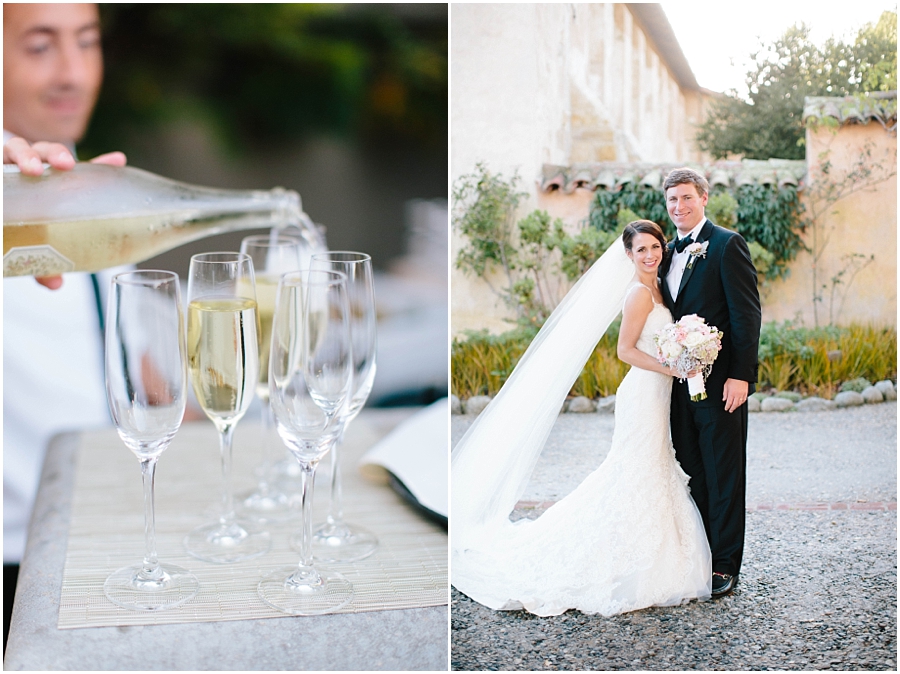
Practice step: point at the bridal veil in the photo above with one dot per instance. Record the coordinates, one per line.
(492, 463)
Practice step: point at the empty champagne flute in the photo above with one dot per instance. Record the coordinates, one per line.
(272, 255)
(223, 360)
(336, 540)
(146, 386)
(309, 380)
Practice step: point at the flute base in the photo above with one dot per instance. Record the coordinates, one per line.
(227, 543)
(305, 591)
(340, 542)
(130, 588)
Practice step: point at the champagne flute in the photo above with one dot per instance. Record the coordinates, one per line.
(336, 540)
(145, 386)
(223, 359)
(309, 380)
(272, 255)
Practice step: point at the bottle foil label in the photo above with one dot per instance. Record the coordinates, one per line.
(35, 261)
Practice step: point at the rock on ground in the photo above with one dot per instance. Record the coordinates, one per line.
(774, 404)
(815, 405)
(580, 405)
(886, 386)
(873, 395)
(849, 399)
(607, 405)
(476, 404)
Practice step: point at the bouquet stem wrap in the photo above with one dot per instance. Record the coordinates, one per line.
(697, 387)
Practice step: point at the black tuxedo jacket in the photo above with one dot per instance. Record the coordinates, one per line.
(721, 288)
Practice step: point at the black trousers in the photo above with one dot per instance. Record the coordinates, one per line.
(10, 576)
(711, 446)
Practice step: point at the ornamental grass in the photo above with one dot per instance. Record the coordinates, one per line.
(809, 361)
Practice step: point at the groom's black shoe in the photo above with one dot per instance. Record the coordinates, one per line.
(722, 584)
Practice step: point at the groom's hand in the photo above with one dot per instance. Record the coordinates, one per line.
(734, 394)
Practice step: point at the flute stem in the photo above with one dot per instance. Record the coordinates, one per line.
(226, 434)
(150, 568)
(336, 507)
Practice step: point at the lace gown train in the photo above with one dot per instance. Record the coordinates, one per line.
(628, 537)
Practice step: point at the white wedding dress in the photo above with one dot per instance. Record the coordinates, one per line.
(629, 537)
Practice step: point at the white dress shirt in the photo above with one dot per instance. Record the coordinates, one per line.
(679, 262)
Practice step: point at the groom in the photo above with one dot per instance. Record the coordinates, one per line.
(708, 272)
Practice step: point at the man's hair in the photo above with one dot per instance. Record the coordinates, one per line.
(682, 176)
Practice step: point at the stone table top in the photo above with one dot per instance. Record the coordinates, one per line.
(379, 640)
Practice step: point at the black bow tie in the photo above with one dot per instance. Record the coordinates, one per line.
(682, 243)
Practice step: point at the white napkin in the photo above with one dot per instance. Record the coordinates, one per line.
(417, 452)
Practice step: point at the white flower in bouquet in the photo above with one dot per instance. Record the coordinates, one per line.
(671, 350)
(695, 339)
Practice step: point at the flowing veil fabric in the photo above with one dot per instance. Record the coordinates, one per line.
(492, 463)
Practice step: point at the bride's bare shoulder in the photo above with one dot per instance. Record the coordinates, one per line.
(638, 301)
(630, 292)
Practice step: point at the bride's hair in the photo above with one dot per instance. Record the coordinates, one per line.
(642, 227)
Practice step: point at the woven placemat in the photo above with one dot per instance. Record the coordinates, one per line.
(409, 569)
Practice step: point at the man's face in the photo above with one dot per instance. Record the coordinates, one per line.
(686, 207)
(52, 69)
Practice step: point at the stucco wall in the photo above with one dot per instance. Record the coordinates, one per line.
(536, 84)
(864, 223)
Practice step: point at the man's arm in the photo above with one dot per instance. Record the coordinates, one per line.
(744, 310)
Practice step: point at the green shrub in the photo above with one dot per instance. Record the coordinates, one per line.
(859, 385)
(722, 209)
(793, 360)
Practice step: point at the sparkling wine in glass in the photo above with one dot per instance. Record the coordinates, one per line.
(336, 540)
(310, 371)
(223, 361)
(146, 386)
(272, 255)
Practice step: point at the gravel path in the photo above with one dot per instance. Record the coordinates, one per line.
(818, 588)
(838, 455)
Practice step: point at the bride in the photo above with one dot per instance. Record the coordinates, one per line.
(629, 536)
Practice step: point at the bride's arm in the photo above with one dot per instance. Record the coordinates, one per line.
(638, 306)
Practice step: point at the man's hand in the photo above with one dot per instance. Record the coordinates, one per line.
(734, 394)
(30, 158)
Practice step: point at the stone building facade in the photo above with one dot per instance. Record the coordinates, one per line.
(562, 84)
(854, 250)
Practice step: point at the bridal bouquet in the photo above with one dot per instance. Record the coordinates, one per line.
(689, 345)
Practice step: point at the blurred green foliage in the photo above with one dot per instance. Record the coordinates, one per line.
(767, 120)
(769, 217)
(265, 74)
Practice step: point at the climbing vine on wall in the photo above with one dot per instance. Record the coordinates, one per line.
(767, 215)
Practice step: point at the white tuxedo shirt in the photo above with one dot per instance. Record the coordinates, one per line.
(679, 262)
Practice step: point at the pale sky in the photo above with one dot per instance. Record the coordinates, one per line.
(717, 37)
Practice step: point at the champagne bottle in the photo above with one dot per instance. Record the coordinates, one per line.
(96, 216)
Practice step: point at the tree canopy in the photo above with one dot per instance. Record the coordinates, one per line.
(268, 72)
(767, 122)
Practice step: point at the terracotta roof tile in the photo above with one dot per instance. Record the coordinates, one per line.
(880, 106)
(612, 175)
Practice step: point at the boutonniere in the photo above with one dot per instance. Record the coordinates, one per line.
(696, 250)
